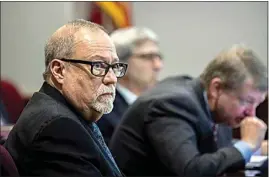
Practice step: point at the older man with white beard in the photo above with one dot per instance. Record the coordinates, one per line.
(56, 134)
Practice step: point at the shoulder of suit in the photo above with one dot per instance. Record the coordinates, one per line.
(172, 87)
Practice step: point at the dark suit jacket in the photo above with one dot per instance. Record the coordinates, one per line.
(51, 139)
(168, 131)
(109, 122)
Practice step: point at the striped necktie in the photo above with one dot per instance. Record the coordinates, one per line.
(215, 132)
(100, 138)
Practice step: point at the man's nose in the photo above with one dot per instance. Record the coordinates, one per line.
(157, 63)
(251, 111)
(110, 77)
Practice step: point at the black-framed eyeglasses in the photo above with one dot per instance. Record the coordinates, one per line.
(100, 68)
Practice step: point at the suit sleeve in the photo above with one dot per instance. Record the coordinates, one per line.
(63, 148)
(174, 139)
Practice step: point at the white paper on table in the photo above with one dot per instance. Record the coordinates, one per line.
(258, 158)
(256, 161)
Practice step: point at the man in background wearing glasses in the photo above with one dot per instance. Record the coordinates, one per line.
(56, 134)
(139, 47)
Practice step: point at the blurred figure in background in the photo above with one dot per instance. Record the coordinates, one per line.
(11, 106)
(4, 122)
(13, 101)
(139, 47)
(183, 127)
(4, 115)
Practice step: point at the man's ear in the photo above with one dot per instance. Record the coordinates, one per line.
(57, 69)
(214, 87)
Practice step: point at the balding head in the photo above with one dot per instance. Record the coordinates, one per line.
(62, 43)
(82, 64)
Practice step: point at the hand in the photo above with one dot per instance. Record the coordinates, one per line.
(253, 132)
(264, 148)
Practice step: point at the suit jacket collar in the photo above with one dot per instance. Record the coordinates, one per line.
(200, 93)
(56, 95)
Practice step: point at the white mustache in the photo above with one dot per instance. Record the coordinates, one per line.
(107, 89)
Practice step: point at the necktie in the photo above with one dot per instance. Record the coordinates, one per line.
(100, 138)
(215, 132)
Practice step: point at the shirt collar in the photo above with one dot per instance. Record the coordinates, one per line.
(129, 96)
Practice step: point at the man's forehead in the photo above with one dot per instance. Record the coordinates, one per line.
(96, 41)
(95, 50)
(100, 45)
(147, 46)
